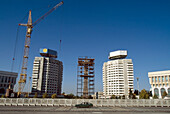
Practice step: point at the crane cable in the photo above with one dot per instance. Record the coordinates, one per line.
(15, 45)
(60, 32)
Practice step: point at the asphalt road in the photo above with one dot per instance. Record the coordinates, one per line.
(74, 110)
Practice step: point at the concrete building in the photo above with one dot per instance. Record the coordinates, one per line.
(47, 73)
(99, 95)
(7, 78)
(118, 74)
(159, 82)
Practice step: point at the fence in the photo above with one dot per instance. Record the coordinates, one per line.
(95, 102)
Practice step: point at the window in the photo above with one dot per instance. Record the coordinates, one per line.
(159, 79)
(166, 77)
(9, 80)
(2, 79)
(156, 92)
(155, 79)
(12, 80)
(162, 79)
(162, 91)
(152, 79)
(168, 91)
(6, 79)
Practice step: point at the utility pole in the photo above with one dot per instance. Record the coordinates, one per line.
(138, 84)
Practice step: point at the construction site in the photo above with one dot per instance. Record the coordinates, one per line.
(19, 88)
(85, 77)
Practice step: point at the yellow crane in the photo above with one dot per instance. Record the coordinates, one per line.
(30, 25)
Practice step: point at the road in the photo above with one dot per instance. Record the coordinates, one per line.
(74, 110)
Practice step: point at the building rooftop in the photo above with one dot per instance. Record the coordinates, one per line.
(165, 72)
(48, 53)
(120, 54)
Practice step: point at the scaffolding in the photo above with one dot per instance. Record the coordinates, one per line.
(85, 77)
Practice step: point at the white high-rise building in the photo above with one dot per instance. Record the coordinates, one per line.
(118, 75)
(47, 75)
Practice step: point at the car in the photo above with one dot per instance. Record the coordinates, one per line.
(84, 105)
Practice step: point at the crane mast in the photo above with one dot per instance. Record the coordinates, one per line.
(30, 25)
(23, 74)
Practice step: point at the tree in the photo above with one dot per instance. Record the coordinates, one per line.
(164, 94)
(113, 97)
(54, 96)
(133, 96)
(155, 97)
(123, 97)
(77, 97)
(63, 93)
(45, 95)
(70, 96)
(150, 93)
(90, 97)
(26, 95)
(119, 97)
(36, 95)
(143, 94)
(3, 96)
(130, 94)
(136, 92)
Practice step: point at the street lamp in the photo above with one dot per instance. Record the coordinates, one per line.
(138, 84)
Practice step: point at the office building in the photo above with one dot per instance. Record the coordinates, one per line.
(118, 74)
(47, 73)
(7, 78)
(159, 82)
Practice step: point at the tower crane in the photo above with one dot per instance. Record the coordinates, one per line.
(30, 25)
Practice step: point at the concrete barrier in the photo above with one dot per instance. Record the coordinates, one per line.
(95, 102)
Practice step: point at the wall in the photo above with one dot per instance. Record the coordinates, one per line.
(95, 102)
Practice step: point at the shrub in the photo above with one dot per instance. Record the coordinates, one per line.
(26, 96)
(45, 95)
(123, 97)
(54, 96)
(143, 94)
(113, 97)
(3, 96)
(164, 94)
(36, 95)
(155, 97)
(70, 96)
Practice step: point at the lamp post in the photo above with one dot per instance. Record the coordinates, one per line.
(29, 85)
(138, 84)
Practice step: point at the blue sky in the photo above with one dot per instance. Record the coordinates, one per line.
(90, 28)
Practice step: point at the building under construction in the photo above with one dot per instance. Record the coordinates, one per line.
(85, 77)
